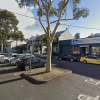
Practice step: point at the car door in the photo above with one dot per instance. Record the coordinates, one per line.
(36, 62)
(89, 59)
(33, 63)
(96, 60)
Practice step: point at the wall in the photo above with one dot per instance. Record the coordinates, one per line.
(65, 43)
(65, 36)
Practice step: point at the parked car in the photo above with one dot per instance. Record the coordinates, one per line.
(33, 61)
(3, 59)
(90, 59)
(43, 55)
(67, 57)
(6, 59)
(14, 61)
(2, 55)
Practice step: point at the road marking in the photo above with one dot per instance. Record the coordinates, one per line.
(87, 97)
(91, 81)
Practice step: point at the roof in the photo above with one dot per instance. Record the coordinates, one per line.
(59, 33)
(39, 37)
(94, 35)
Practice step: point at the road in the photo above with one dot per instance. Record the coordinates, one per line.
(83, 82)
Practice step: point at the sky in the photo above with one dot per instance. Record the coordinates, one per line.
(31, 27)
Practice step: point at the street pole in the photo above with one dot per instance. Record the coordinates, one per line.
(31, 55)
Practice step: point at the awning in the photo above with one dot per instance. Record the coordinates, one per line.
(84, 45)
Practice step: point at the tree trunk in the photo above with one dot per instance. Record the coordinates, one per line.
(16, 43)
(1, 46)
(49, 52)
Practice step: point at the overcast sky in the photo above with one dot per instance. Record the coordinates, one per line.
(29, 25)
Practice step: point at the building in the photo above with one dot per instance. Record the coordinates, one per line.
(62, 35)
(80, 47)
(40, 48)
(34, 44)
(11, 46)
(94, 35)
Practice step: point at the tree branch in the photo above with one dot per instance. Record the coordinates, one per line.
(59, 18)
(43, 5)
(46, 1)
(40, 15)
(48, 22)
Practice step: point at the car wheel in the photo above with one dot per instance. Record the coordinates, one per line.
(9, 63)
(84, 61)
(60, 58)
(5, 62)
(72, 59)
(45, 65)
(27, 67)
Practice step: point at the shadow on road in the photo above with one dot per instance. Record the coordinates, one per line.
(89, 70)
(4, 65)
(9, 69)
(12, 80)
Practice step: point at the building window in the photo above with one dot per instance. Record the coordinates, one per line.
(96, 50)
(75, 50)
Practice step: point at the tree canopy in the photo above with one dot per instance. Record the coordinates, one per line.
(8, 25)
(77, 36)
(17, 35)
(46, 8)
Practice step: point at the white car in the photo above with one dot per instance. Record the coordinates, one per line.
(13, 61)
(1, 55)
(3, 59)
(7, 59)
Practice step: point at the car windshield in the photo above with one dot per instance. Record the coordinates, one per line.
(69, 55)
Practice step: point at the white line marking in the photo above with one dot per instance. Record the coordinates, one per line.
(87, 97)
(91, 81)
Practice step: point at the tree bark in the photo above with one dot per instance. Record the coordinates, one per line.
(49, 53)
(16, 43)
(1, 46)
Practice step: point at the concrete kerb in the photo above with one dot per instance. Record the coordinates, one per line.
(35, 81)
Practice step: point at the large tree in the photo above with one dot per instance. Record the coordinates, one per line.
(44, 40)
(8, 23)
(17, 35)
(47, 9)
(77, 36)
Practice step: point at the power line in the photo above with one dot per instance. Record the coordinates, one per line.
(81, 27)
(55, 23)
(24, 15)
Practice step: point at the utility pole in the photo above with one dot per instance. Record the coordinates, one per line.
(31, 54)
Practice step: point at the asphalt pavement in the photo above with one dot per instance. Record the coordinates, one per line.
(82, 84)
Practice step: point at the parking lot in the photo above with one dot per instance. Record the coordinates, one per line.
(83, 83)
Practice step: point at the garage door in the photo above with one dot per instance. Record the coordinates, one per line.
(65, 49)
